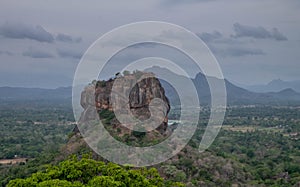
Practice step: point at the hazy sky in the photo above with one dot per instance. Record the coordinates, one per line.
(41, 42)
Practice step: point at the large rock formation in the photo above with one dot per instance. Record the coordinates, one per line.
(141, 89)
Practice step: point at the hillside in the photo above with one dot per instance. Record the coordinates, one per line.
(19, 93)
(276, 86)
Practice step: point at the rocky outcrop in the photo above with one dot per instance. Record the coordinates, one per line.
(141, 89)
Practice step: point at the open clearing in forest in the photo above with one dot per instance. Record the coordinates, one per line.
(250, 128)
(13, 161)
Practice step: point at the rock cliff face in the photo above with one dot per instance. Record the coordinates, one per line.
(141, 89)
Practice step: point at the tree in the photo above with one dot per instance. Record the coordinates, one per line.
(87, 172)
(126, 72)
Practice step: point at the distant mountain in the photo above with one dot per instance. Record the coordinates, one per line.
(20, 93)
(235, 94)
(286, 94)
(276, 86)
(238, 95)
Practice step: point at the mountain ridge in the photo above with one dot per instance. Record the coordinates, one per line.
(275, 85)
(235, 94)
(24, 93)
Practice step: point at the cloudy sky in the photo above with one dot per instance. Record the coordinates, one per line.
(41, 42)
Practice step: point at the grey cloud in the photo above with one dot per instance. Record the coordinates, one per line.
(6, 53)
(209, 37)
(236, 51)
(225, 46)
(23, 31)
(175, 2)
(257, 32)
(144, 45)
(217, 37)
(278, 35)
(69, 54)
(33, 53)
(244, 52)
(67, 38)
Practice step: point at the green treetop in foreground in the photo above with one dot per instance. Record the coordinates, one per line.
(88, 172)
